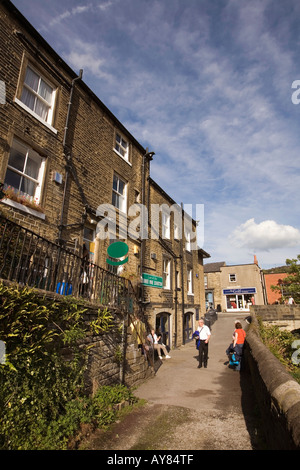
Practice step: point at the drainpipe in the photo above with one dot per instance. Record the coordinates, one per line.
(67, 154)
(182, 274)
(176, 301)
(149, 156)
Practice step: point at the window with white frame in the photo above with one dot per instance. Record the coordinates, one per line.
(232, 277)
(166, 273)
(122, 147)
(38, 95)
(176, 230)
(190, 281)
(165, 224)
(119, 193)
(25, 171)
(187, 240)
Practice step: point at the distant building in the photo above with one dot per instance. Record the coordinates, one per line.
(274, 279)
(234, 288)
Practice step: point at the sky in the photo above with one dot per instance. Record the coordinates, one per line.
(211, 86)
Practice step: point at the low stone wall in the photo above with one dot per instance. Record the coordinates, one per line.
(277, 393)
(114, 357)
(285, 316)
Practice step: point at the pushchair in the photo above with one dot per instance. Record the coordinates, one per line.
(234, 360)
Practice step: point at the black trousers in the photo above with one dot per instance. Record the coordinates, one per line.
(203, 352)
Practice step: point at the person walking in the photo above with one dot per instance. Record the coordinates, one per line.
(204, 336)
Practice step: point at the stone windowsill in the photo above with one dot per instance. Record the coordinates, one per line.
(21, 207)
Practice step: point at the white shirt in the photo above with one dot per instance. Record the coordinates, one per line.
(204, 332)
(153, 338)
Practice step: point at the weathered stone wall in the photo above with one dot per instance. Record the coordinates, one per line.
(285, 316)
(114, 357)
(277, 393)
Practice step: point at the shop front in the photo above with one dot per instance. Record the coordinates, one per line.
(239, 299)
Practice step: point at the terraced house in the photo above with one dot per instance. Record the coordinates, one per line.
(70, 169)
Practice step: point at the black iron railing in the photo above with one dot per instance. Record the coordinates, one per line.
(29, 259)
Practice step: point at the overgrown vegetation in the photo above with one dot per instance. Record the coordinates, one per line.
(285, 345)
(42, 399)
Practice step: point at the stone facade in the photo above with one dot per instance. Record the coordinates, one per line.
(175, 308)
(235, 287)
(67, 155)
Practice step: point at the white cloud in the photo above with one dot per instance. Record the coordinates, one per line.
(66, 14)
(87, 56)
(265, 236)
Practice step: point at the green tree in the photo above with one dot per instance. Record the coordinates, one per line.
(291, 283)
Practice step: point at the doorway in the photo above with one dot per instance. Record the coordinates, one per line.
(188, 327)
(162, 326)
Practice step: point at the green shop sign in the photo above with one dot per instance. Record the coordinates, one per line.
(152, 281)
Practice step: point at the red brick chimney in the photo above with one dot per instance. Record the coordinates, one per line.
(255, 260)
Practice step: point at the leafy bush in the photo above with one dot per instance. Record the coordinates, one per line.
(280, 344)
(42, 400)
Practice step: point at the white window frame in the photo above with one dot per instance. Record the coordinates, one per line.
(166, 273)
(176, 230)
(165, 224)
(190, 289)
(122, 197)
(187, 234)
(28, 152)
(232, 277)
(49, 120)
(121, 146)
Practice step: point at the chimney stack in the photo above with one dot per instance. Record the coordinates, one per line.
(255, 260)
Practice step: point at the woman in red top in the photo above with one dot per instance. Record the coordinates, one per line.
(238, 343)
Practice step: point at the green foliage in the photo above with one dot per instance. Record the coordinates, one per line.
(103, 323)
(291, 283)
(280, 342)
(42, 398)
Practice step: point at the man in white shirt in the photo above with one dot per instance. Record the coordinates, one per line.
(204, 335)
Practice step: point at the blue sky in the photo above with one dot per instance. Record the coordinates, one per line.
(207, 86)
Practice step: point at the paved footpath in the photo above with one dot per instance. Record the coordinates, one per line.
(191, 408)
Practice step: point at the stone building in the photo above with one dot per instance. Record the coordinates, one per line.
(173, 270)
(76, 176)
(234, 288)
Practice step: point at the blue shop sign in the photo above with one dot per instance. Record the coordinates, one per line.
(246, 290)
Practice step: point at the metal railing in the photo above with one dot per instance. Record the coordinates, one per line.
(29, 259)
